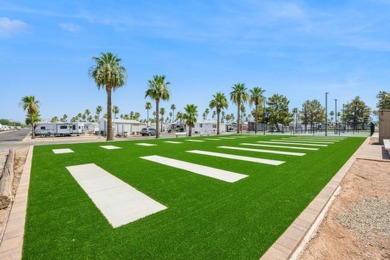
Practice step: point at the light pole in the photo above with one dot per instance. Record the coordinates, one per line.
(264, 116)
(335, 116)
(326, 113)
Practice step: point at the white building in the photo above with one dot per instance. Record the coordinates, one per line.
(208, 128)
(121, 127)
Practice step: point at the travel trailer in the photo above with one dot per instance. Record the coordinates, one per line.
(58, 129)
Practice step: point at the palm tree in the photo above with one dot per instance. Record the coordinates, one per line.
(87, 112)
(158, 90)
(162, 112)
(148, 106)
(219, 102)
(98, 111)
(256, 97)
(207, 111)
(54, 119)
(137, 116)
(173, 108)
(30, 104)
(110, 75)
(190, 115)
(179, 116)
(239, 96)
(64, 118)
(115, 110)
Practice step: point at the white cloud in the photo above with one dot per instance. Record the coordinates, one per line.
(10, 27)
(69, 27)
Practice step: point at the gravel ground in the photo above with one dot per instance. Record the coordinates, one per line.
(367, 218)
(357, 225)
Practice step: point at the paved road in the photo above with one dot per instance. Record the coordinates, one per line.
(13, 139)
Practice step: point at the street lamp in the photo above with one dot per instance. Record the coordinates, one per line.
(335, 116)
(326, 113)
(263, 116)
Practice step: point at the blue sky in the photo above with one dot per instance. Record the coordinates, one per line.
(300, 49)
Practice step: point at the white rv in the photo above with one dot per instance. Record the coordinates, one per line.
(58, 129)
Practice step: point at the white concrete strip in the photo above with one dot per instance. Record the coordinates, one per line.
(110, 147)
(282, 146)
(293, 141)
(145, 144)
(306, 144)
(173, 142)
(119, 202)
(64, 150)
(238, 157)
(198, 169)
(313, 139)
(227, 138)
(261, 150)
(194, 140)
(212, 139)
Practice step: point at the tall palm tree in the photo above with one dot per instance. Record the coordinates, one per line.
(99, 109)
(173, 108)
(190, 115)
(158, 90)
(115, 110)
(110, 75)
(87, 112)
(206, 111)
(162, 112)
(219, 102)
(239, 96)
(30, 104)
(179, 116)
(148, 106)
(256, 97)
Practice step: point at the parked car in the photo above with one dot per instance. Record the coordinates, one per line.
(148, 131)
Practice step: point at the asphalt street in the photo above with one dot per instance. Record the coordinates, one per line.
(13, 139)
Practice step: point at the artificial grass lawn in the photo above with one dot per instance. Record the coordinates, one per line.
(206, 218)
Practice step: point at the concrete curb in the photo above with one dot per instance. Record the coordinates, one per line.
(293, 241)
(12, 244)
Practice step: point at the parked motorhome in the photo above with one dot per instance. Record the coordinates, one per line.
(58, 129)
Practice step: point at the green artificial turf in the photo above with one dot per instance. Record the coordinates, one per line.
(206, 218)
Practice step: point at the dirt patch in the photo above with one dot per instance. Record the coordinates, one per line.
(19, 161)
(358, 223)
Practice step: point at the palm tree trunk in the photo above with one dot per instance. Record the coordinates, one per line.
(238, 116)
(109, 115)
(32, 127)
(147, 115)
(218, 112)
(157, 119)
(256, 117)
(190, 130)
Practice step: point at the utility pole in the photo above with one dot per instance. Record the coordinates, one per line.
(263, 116)
(335, 116)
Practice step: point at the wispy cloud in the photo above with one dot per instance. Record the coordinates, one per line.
(10, 27)
(70, 27)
